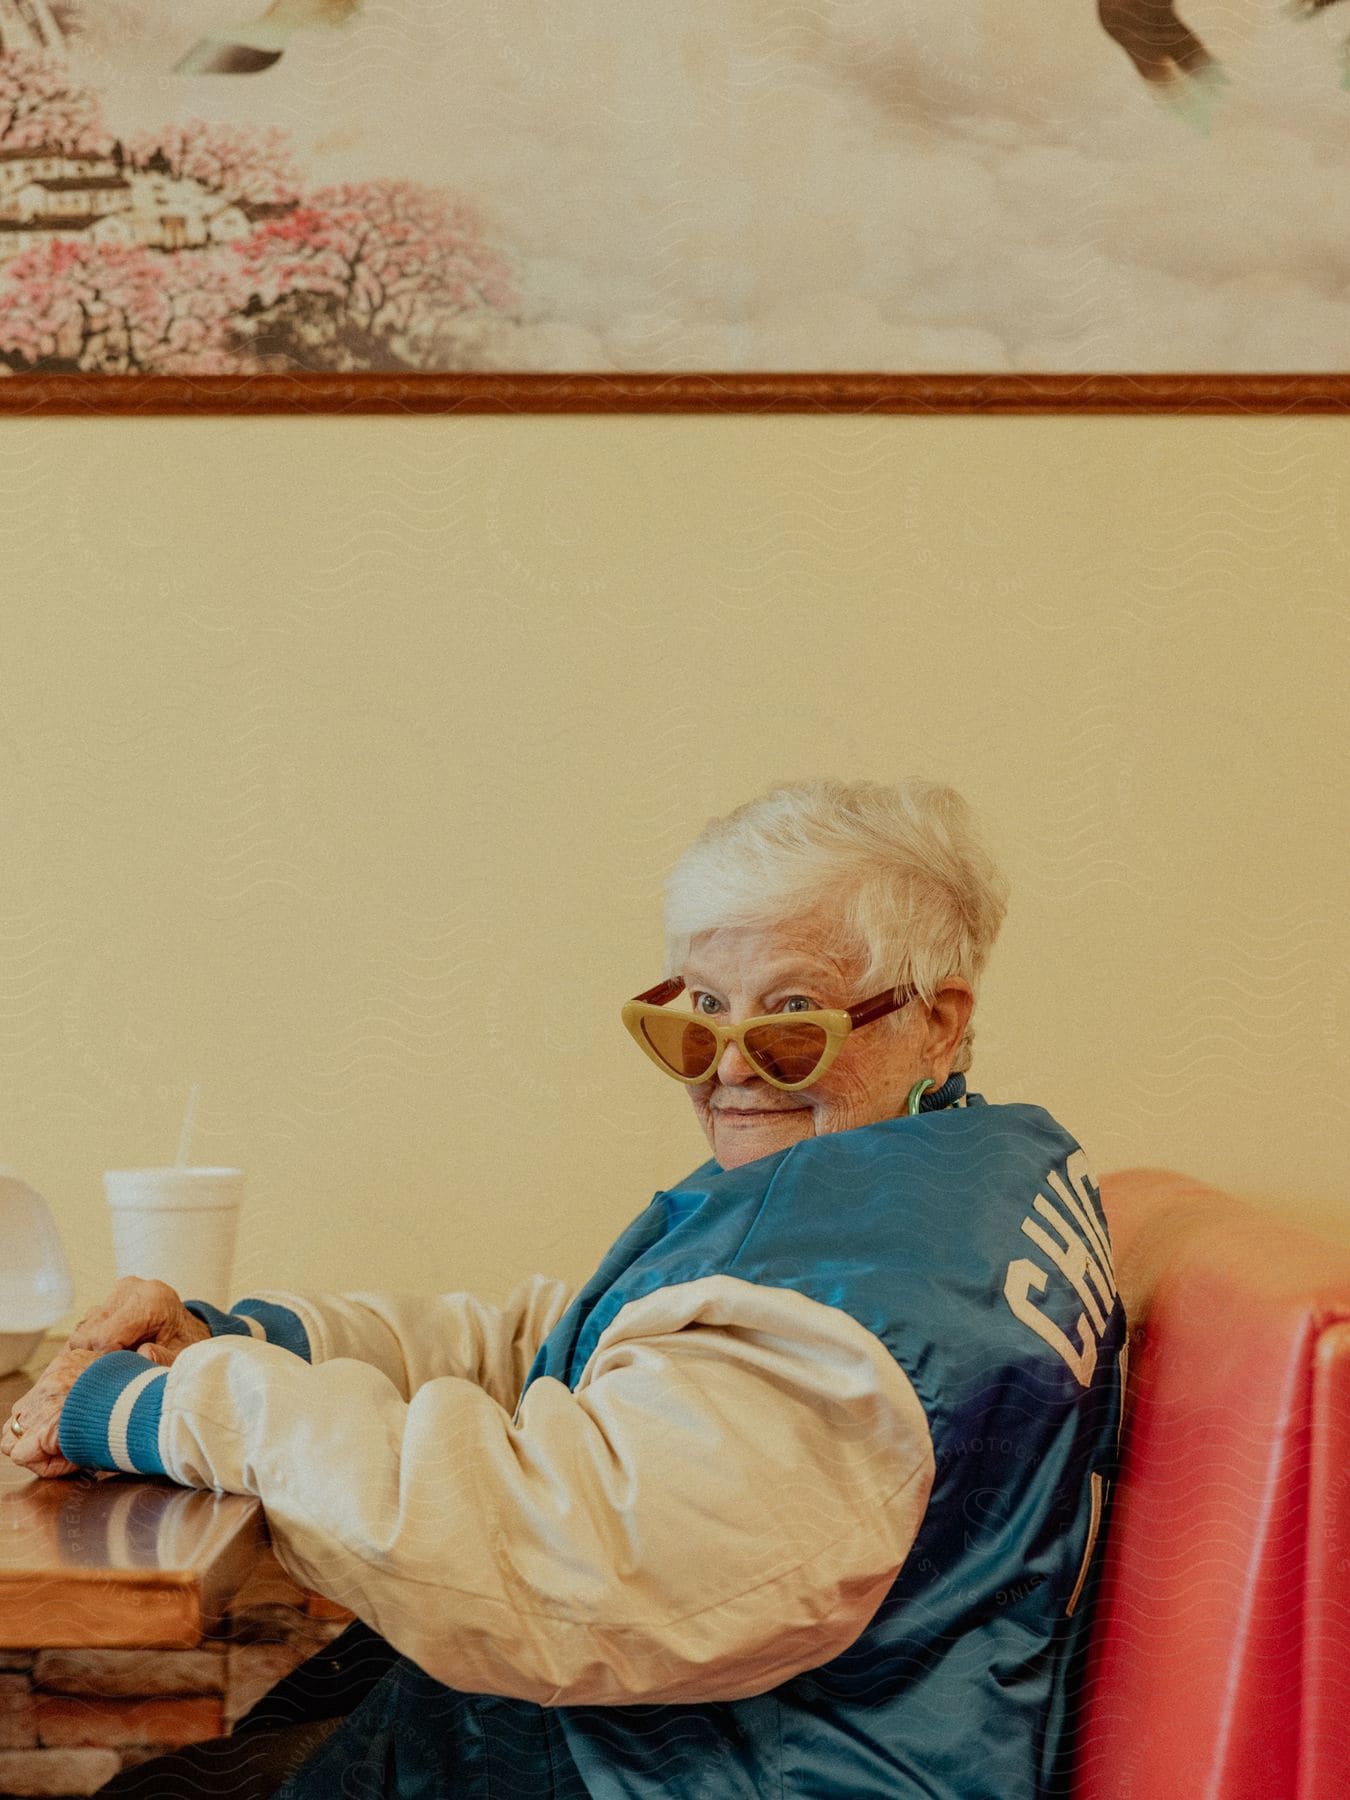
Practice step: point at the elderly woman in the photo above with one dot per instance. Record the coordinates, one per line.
(795, 1497)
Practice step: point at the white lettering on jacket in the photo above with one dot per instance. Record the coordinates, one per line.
(1079, 1252)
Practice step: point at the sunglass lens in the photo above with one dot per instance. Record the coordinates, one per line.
(686, 1048)
(787, 1052)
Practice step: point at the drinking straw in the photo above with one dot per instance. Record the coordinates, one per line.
(185, 1135)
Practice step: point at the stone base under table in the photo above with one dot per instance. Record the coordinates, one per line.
(70, 1719)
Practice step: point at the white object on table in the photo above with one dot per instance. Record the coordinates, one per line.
(177, 1225)
(35, 1284)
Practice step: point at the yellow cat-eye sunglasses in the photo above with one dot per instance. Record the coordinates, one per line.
(789, 1050)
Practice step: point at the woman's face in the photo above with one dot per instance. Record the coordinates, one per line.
(738, 972)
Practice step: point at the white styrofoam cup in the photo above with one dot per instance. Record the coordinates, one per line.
(177, 1225)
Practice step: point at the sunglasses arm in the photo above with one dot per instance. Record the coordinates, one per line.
(662, 992)
(867, 1010)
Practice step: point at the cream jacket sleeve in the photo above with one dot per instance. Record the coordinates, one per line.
(413, 1338)
(722, 1501)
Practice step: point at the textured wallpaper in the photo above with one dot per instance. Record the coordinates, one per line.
(343, 761)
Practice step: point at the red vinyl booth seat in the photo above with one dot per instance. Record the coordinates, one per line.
(1218, 1665)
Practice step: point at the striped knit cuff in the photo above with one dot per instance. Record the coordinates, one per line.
(255, 1318)
(218, 1323)
(110, 1419)
(278, 1324)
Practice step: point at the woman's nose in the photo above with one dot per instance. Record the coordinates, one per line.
(733, 1069)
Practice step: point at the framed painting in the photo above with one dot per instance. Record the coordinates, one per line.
(891, 205)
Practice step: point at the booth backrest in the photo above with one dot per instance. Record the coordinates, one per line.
(1218, 1665)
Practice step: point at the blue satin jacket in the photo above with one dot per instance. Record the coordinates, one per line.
(971, 1241)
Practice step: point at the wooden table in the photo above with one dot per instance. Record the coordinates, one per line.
(92, 1561)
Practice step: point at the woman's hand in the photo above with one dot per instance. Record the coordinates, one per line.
(35, 1445)
(139, 1315)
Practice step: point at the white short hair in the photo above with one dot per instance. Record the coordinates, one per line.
(897, 872)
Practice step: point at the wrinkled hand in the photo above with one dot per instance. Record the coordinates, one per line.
(37, 1447)
(139, 1315)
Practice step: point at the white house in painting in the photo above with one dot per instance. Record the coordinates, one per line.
(46, 194)
(181, 214)
(69, 197)
(46, 163)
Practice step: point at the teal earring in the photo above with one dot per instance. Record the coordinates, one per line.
(915, 1095)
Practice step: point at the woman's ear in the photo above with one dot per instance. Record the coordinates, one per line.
(948, 1017)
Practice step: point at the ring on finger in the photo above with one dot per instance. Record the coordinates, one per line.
(16, 1427)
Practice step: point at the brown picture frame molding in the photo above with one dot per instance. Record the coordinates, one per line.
(94, 396)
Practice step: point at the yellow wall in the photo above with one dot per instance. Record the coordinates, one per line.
(332, 747)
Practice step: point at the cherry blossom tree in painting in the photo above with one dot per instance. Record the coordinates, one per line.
(78, 307)
(371, 275)
(256, 168)
(368, 275)
(41, 107)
